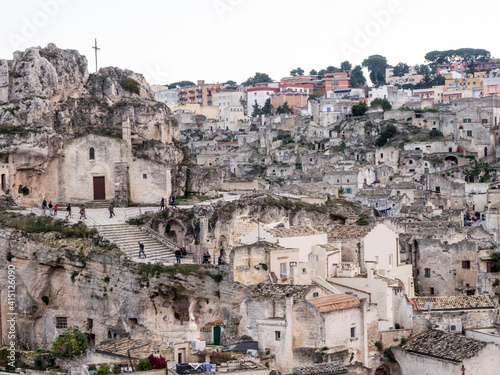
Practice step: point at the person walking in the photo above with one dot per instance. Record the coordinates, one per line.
(162, 204)
(55, 210)
(141, 250)
(171, 200)
(183, 252)
(82, 212)
(111, 209)
(68, 209)
(50, 208)
(178, 255)
(44, 205)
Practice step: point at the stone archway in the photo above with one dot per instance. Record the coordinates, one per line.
(175, 231)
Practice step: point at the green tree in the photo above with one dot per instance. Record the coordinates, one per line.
(322, 72)
(345, 66)
(131, 85)
(297, 72)
(103, 369)
(359, 109)
(284, 108)
(267, 109)
(230, 83)
(71, 344)
(313, 72)
(401, 69)
(357, 77)
(384, 103)
(423, 69)
(434, 133)
(181, 84)
(257, 78)
(144, 365)
(332, 69)
(376, 64)
(257, 111)
(389, 132)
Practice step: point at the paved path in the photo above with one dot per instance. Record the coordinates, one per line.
(100, 216)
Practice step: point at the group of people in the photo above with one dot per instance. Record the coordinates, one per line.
(52, 208)
(180, 253)
(171, 202)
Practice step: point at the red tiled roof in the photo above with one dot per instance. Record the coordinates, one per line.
(263, 89)
(334, 302)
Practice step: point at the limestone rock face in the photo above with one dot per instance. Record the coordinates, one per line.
(203, 180)
(48, 98)
(49, 72)
(113, 294)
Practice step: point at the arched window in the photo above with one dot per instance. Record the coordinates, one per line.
(91, 154)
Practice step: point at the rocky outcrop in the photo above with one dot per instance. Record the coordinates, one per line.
(101, 293)
(203, 179)
(48, 98)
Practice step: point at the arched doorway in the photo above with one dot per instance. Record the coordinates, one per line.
(175, 231)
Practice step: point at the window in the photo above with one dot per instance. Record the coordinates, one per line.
(484, 121)
(466, 264)
(381, 156)
(353, 332)
(469, 133)
(427, 272)
(315, 295)
(62, 322)
(283, 270)
(91, 154)
(467, 120)
(144, 176)
(277, 335)
(438, 189)
(432, 291)
(90, 324)
(304, 270)
(348, 191)
(390, 260)
(410, 162)
(317, 258)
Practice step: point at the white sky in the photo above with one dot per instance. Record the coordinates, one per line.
(219, 40)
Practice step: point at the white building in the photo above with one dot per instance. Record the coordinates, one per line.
(259, 95)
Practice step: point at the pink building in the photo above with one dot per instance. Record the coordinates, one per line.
(491, 86)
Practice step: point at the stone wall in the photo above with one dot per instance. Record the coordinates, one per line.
(203, 179)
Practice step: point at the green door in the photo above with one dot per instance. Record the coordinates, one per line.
(216, 335)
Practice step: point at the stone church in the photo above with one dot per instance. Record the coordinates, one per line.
(74, 137)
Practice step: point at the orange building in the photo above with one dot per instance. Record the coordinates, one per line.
(297, 101)
(336, 81)
(199, 94)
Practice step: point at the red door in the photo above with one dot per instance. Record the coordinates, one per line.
(99, 189)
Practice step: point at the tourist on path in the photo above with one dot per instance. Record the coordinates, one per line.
(55, 210)
(68, 209)
(50, 208)
(44, 205)
(141, 250)
(82, 212)
(111, 209)
(178, 255)
(162, 204)
(171, 200)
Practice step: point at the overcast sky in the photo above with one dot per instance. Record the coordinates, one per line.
(220, 40)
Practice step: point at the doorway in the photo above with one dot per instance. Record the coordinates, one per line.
(216, 335)
(99, 188)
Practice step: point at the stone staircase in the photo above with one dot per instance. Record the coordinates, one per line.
(126, 237)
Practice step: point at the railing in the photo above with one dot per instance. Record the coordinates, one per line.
(127, 211)
(169, 243)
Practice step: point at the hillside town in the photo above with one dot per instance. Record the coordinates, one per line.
(345, 221)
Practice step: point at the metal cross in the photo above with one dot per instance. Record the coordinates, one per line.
(96, 48)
